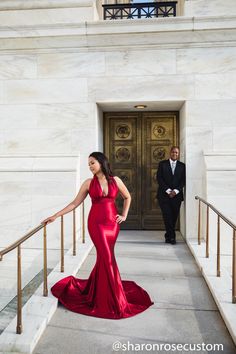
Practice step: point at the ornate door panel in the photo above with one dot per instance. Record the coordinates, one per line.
(135, 143)
(123, 148)
(158, 135)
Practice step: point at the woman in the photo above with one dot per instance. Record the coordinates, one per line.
(103, 294)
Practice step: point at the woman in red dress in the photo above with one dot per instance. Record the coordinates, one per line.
(103, 294)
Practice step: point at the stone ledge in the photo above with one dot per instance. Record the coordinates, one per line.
(168, 24)
(220, 161)
(38, 311)
(103, 35)
(43, 4)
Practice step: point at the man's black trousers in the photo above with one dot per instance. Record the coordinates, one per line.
(170, 210)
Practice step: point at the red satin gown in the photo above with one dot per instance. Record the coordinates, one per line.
(103, 294)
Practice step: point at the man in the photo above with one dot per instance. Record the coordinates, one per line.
(171, 180)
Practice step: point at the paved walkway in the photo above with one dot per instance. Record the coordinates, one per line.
(184, 310)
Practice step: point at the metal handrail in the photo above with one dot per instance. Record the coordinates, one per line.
(229, 222)
(20, 240)
(232, 225)
(17, 244)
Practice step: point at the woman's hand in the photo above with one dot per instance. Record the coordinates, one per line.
(49, 219)
(120, 218)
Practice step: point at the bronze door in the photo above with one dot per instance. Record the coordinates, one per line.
(135, 143)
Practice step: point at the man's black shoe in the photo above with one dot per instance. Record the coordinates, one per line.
(167, 240)
(172, 241)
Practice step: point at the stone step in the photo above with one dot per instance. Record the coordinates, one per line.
(38, 310)
(184, 312)
(9, 311)
(32, 262)
(220, 287)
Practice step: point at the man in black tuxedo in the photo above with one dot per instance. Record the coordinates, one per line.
(171, 180)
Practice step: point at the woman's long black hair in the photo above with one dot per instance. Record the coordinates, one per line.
(105, 166)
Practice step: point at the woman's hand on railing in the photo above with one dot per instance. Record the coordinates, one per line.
(49, 219)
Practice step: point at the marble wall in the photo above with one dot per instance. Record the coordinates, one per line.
(55, 80)
(41, 12)
(220, 170)
(209, 7)
(32, 188)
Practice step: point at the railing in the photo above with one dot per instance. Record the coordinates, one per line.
(17, 245)
(139, 10)
(233, 226)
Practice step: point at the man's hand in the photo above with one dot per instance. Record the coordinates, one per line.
(172, 194)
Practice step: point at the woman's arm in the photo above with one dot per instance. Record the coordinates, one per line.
(127, 200)
(82, 194)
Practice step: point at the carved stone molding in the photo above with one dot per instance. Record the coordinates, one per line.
(43, 4)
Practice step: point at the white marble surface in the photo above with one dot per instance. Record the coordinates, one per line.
(44, 91)
(215, 86)
(18, 67)
(176, 32)
(198, 139)
(206, 60)
(32, 188)
(221, 192)
(47, 4)
(66, 116)
(224, 139)
(44, 140)
(15, 12)
(136, 62)
(21, 116)
(194, 186)
(59, 116)
(209, 7)
(161, 87)
(42, 17)
(211, 113)
(71, 65)
(222, 161)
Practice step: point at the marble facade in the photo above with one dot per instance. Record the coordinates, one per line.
(61, 68)
(209, 7)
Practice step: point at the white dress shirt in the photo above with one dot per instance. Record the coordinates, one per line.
(173, 166)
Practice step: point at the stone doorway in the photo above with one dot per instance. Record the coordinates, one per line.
(135, 143)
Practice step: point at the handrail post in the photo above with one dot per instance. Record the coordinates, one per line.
(62, 244)
(45, 279)
(74, 233)
(218, 246)
(19, 292)
(207, 233)
(199, 222)
(83, 224)
(234, 268)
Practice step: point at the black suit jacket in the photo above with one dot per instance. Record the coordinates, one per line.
(166, 179)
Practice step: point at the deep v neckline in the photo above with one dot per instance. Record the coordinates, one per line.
(104, 195)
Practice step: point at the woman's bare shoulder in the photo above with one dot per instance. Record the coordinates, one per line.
(87, 182)
(118, 179)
